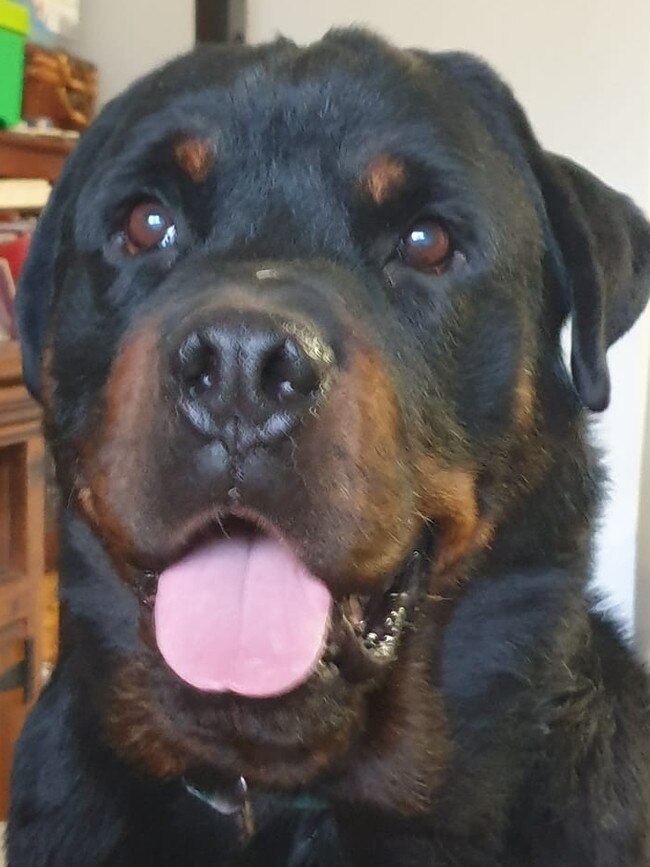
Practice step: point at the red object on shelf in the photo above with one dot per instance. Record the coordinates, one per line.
(15, 252)
(7, 295)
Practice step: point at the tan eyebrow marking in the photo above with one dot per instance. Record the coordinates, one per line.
(196, 156)
(384, 177)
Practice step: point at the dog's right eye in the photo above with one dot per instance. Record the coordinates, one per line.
(427, 247)
(149, 225)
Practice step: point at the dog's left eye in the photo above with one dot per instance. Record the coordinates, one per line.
(149, 225)
(426, 247)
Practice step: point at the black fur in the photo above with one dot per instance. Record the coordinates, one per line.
(546, 709)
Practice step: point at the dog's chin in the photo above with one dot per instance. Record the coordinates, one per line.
(276, 737)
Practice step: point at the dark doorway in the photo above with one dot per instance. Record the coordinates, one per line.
(220, 20)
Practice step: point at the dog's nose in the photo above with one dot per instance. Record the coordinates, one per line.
(248, 377)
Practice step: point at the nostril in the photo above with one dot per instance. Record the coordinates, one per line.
(288, 374)
(200, 363)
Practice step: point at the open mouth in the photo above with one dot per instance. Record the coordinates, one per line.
(239, 613)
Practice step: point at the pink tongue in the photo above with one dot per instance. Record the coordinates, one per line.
(241, 615)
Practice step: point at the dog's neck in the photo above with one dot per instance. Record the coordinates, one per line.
(550, 523)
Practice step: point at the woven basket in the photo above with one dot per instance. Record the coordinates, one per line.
(59, 87)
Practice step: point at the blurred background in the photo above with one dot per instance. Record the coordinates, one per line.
(581, 68)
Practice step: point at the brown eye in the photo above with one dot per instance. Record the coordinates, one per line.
(427, 247)
(149, 224)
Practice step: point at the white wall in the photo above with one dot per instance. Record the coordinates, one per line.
(582, 70)
(127, 38)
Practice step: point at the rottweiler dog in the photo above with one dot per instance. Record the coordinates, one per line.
(294, 315)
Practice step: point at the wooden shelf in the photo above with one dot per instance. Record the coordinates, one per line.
(22, 494)
(10, 364)
(21, 559)
(33, 156)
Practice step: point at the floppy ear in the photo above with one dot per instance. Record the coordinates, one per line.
(604, 242)
(36, 284)
(47, 250)
(600, 240)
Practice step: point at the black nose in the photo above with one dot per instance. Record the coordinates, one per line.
(248, 377)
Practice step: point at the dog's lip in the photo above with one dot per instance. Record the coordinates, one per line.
(365, 630)
(206, 524)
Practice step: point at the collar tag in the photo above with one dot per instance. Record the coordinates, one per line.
(227, 800)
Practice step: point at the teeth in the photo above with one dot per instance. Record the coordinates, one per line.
(395, 620)
(387, 646)
(381, 642)
(371, 641)
(393, 623)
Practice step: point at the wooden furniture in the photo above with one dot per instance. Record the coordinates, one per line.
(33, 156)
(21, 556)
(21, 495)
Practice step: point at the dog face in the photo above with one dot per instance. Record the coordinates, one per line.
(293, 316)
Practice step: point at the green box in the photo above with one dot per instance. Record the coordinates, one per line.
(14, 26)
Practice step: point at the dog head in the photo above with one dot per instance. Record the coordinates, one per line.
(293, 316)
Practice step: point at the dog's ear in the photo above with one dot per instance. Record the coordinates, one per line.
(599, 240)
(37, 282)
(604, 242)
